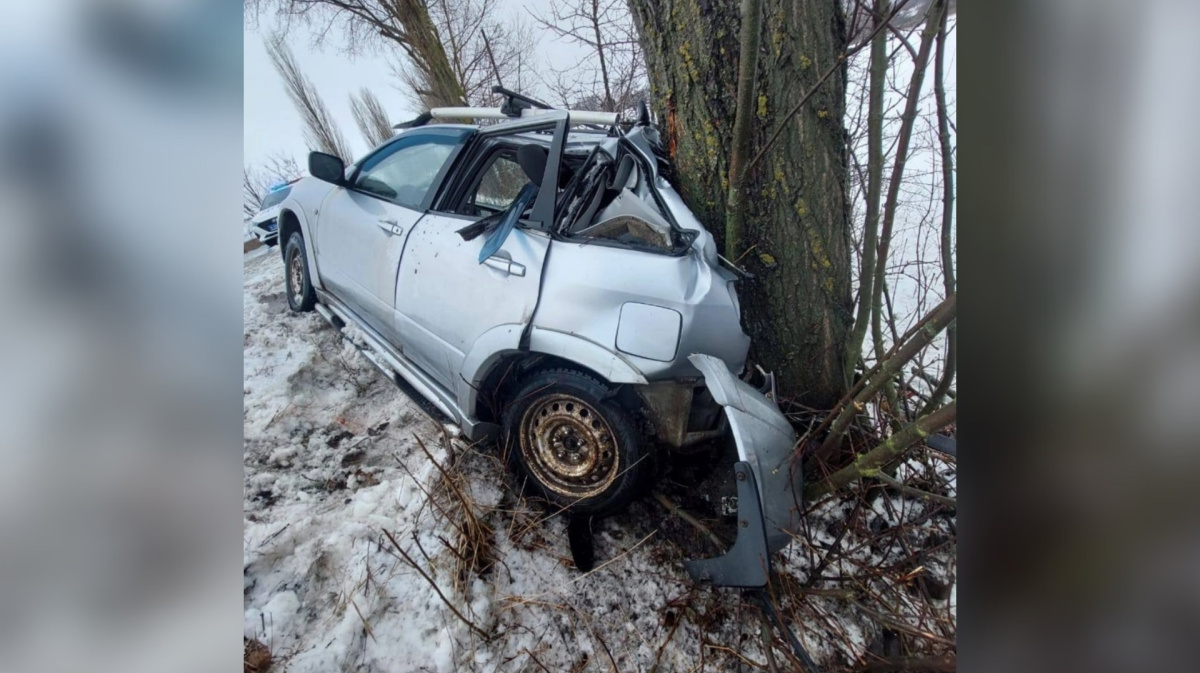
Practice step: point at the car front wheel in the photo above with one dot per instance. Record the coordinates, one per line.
(300, 294)
(571, 444)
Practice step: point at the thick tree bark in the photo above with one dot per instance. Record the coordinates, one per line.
(796, 235)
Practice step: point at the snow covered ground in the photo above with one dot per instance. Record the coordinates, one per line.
(336, 476)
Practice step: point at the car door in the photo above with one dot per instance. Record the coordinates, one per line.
(362, 227)
(446, 299)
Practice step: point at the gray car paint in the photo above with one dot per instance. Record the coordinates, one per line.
(766, 441)
(578, 310)
(570, 301)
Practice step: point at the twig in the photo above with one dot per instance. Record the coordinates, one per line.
(930, 326)
(662, 648)
(915, 492)
(366, 624)
(869, 463)
(603, 645)
(274, 535)
(899, 159)
(900, 626)
(946, 663)
(678, 511)
(469, 623)
(768, 641)
(943, 387)
(922, 374)
(616, 558)
(535, 660)
(735, 653)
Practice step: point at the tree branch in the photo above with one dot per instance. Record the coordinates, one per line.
(866, 276)
(929, 327)
(869, 463)
(735, 215)
(943, 116)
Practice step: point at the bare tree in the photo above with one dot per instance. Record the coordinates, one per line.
(614, 76)
(253, 191)
(866, 276)
(401, 24)
(468, 29)
(905, 250)
(320, 131)
(258, 180)
(907, 119)
(371, 118)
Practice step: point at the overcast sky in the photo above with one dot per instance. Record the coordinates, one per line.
(272, 125)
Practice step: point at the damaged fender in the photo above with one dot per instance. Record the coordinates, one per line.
(765, 444)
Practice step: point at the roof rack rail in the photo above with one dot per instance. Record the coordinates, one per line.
(515, 102)
(515, 106)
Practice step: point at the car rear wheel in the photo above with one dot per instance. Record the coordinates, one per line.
(571, 444)
(300, 294)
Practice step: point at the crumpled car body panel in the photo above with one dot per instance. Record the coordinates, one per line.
(766, 441)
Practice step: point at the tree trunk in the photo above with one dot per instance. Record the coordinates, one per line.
(796, 235)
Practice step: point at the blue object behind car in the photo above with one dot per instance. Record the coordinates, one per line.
(265, 224)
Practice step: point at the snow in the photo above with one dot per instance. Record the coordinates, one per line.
(334, 465)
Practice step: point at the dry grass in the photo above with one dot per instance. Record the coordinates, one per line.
(256, 658)
(864, 586)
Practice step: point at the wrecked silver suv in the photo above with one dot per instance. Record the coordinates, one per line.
(539, 281)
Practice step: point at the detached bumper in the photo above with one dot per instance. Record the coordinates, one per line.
(769, 485)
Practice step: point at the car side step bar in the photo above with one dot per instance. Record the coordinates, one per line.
(393, 364)
(329, 317)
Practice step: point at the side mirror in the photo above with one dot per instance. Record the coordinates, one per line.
(327, 167)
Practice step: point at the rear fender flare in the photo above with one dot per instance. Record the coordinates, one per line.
(610, 365)
(504, 340)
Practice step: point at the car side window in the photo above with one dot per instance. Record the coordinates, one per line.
(499, 186)
(404, 174)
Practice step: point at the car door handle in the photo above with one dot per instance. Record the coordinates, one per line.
(506, 265)
(390, 226)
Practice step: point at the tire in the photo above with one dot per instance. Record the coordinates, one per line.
(300, 293)
(569, 443)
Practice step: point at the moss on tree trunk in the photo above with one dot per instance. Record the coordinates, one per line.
(796, 236)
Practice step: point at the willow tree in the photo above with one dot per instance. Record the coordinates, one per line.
(794, 237)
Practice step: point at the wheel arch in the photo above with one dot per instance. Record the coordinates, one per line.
(493, 373)
(291, 219)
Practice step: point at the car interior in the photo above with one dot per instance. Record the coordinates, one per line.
(600, 199)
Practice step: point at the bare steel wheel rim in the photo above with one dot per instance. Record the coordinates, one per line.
(296, 275)
(569, 447)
